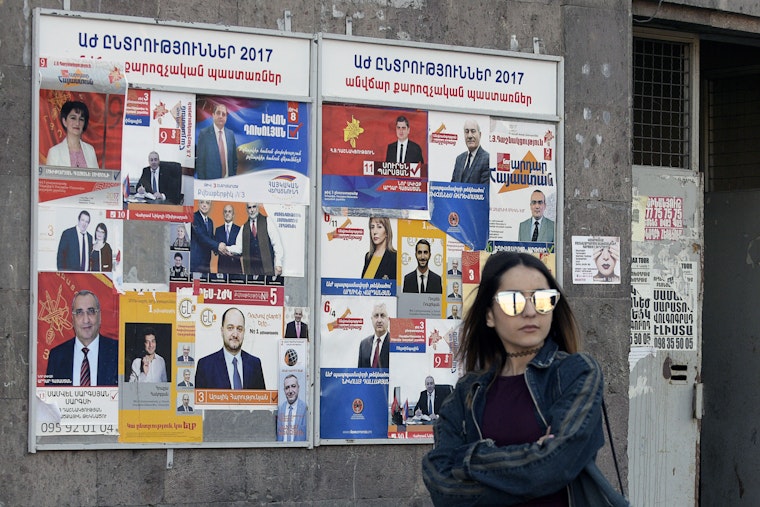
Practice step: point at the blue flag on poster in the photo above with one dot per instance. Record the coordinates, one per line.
(461, 211)
(354, 403)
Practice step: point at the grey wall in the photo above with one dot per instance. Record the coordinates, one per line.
(593, 36)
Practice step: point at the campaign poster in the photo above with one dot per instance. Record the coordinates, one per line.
(596, 259)
(293, 411)
(353, 392)
(88, 134)
(362, 165)
(265, 144)
(347, 321)
(80, 150)
(79, 239)
(460, 171)
(354, 403)
(159, 135)
(523, 181)
(423, 274)
(359, 255)
(240, 321)
(224, 242)
(76, 396)
(153, 407)
(421, 350)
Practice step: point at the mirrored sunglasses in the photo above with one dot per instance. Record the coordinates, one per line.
(512, 302)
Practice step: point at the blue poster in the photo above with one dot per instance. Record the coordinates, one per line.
(461, 211)
(354, 403)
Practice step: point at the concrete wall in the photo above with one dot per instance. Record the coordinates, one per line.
(594, 38)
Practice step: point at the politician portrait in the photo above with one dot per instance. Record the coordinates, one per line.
(230, 367)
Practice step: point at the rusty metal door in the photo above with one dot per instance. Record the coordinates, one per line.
(665, 357)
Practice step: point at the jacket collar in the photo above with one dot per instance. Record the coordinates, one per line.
(545, 356)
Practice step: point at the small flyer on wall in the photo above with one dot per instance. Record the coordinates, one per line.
(596, 259)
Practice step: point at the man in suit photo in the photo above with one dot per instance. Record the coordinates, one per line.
(185, 357)
(422, 279)
(159, 181)
(472, 166)
(374, 350)
(455, 294)
(259, 243)
(185, 407)
(537, 227)
(88, 359)
(202, 240)
(291, 414)
(186, 376)
(403, 149)
(216, 149)
(230, 367)
(227, 233)
(454, 271)
(431, 398)
(296, 328)
(75, 246)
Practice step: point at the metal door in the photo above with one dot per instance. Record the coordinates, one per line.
(665, 357)
(730, 439)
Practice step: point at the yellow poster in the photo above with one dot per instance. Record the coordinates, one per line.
(156, 370)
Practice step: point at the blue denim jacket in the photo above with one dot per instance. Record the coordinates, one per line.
(466, 469)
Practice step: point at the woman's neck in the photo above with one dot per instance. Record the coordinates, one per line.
(379, 250)
(74, 143)
(515, 366)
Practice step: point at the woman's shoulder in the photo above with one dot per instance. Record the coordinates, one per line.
(581, 361)
(474, 377)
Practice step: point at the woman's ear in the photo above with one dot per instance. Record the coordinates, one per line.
(489, 317)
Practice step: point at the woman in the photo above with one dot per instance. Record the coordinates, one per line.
(181, 242)
(72, 151)
(101, 257)
(380, 261)
(606, 259)
(524, 424)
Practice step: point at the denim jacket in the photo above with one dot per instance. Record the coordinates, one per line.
(466, 469)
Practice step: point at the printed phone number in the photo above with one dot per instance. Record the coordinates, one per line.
(674, 342)
(94, 429)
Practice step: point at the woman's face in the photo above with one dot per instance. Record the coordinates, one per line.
(181, 232)
(100, 234)
(528, 329)
(378, 232)
(605, 263)
(73, 123)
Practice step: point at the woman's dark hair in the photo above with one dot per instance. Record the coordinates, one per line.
(101, 225)
(480, 347)
(76, 106)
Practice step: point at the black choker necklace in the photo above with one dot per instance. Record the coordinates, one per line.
(524, 353)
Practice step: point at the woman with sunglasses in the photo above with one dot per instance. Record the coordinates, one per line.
(525, 422)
